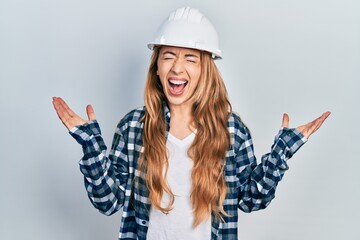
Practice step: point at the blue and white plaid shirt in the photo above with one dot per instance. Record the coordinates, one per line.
(109, 179)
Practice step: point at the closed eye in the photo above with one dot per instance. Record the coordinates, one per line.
(168, 55)
(191, 58)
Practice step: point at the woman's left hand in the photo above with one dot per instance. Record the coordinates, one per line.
(308, 129)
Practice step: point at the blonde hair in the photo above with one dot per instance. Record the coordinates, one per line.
(211, 110)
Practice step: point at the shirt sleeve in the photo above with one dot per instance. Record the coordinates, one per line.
(105, 177)
(258, 181)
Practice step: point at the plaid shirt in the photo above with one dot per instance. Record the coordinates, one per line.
(109, 179)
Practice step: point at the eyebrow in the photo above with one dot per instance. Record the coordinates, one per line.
(169, 52)
(186, 55)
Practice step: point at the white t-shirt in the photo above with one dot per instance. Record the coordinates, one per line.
(177, 224)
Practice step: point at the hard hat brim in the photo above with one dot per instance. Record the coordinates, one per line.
(214, 54)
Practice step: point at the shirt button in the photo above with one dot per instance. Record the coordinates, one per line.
(143, 222)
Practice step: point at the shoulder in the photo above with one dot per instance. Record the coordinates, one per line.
(236, 125)
(133, 119)
(239, 132)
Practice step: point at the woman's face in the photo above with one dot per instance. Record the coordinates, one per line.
(179, 70)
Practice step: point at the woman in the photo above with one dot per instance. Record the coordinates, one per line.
(182, 165)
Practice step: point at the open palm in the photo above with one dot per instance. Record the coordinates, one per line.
(68, 117)
(307, 129)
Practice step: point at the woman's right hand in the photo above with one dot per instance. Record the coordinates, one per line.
(68, 117)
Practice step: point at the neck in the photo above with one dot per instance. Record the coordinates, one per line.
(181, 111)
(181, 123)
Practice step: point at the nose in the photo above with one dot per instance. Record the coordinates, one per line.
(178, 67)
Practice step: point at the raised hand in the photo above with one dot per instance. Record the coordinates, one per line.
(68, 117)
(308, 129)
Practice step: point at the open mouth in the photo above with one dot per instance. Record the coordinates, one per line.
(177, 86)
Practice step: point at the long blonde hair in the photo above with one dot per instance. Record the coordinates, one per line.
(211, 110)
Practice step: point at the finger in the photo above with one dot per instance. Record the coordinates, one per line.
(90, 112)
(326, 114)
(321, 120)
(66, 108)
(59, 109)
(62, 111)
(314, 125)
(285, 120)
(63, 117)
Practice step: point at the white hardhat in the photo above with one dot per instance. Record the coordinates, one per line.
(187, 27)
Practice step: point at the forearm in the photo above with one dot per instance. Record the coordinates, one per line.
(260, 181)
(99, 175)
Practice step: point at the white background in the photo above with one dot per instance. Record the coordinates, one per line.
(299, 57)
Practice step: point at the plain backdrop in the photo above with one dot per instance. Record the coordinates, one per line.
(299, 57)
